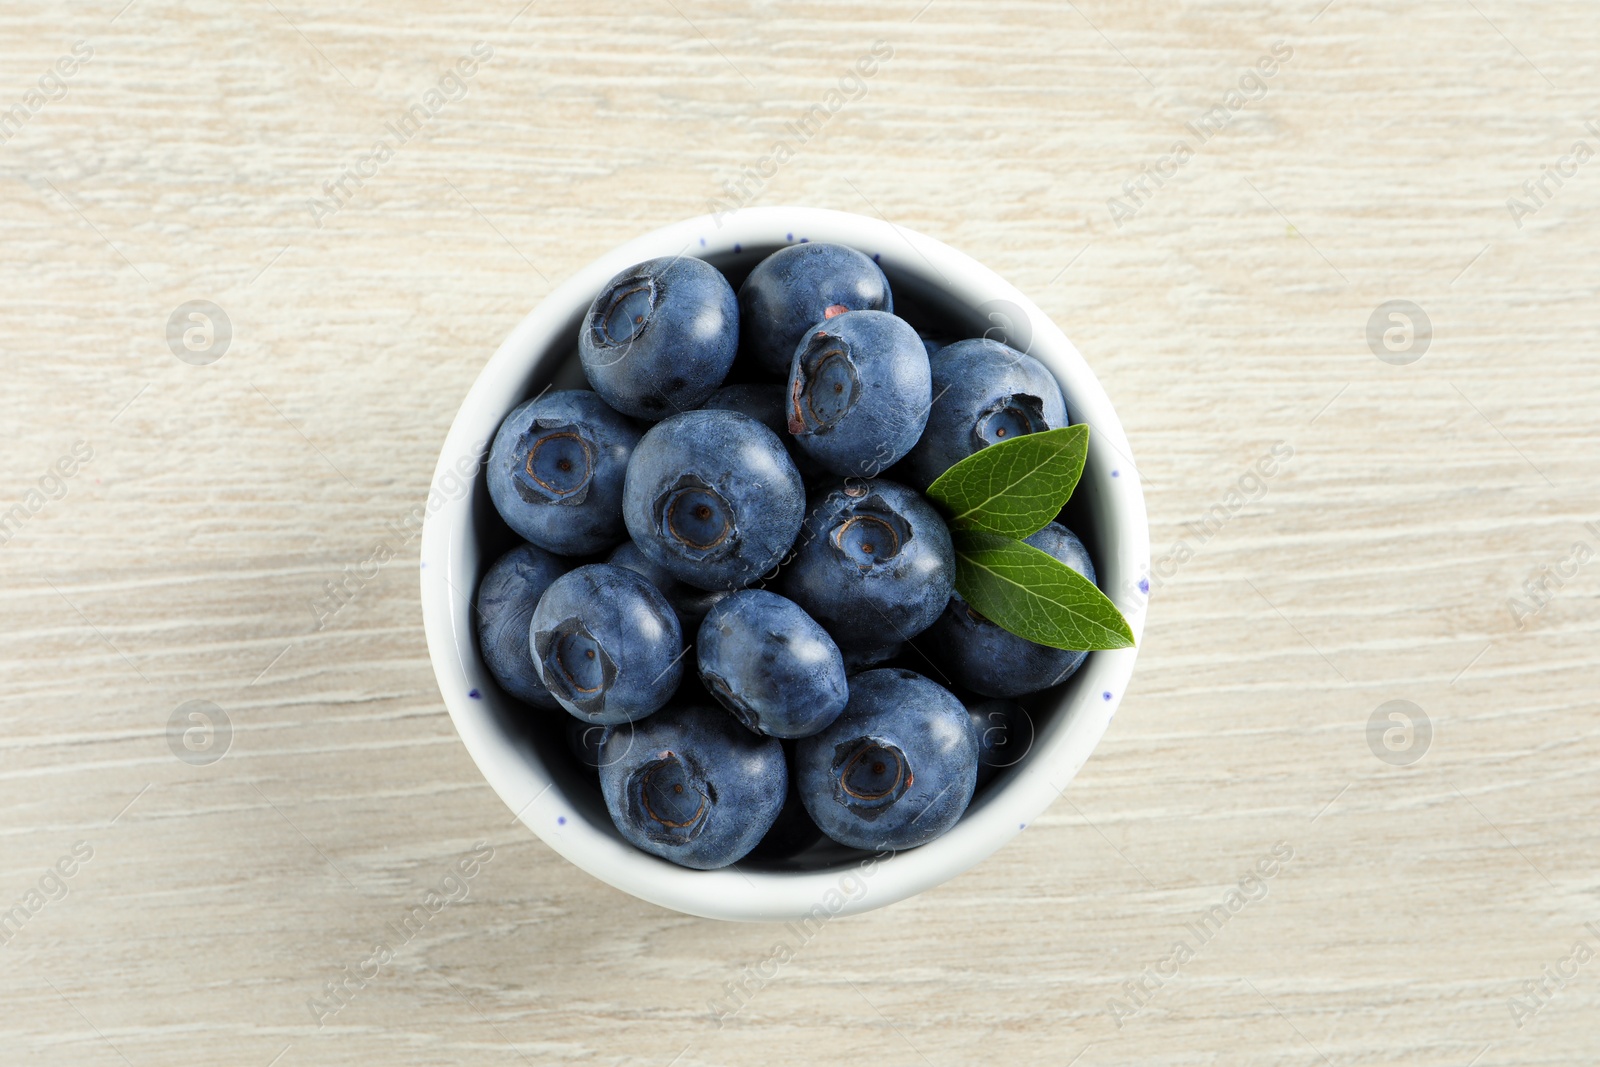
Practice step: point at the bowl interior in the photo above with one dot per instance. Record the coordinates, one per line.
(523, 752)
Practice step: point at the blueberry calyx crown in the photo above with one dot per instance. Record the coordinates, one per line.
(696, 520)
(624, 315)
(1008, 417)
(674, 802)
(576, 666)
(827, 386)
(870, 532)
(869, 775)
(557, 466)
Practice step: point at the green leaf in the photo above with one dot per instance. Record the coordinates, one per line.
(1015, 487)
(1036, 596)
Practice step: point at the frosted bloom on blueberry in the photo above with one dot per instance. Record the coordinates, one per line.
(607, 644)
(556, 468)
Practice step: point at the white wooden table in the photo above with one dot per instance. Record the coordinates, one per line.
(211, 151)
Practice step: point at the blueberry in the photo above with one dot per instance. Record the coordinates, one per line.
(799, 286)
(896, 769)
(874, 564)
(769, 663)
(793, 831)
(859, 390)
(556, 469)
(660, 337)
(983, 393)
(693, 786)
(992, 662)
(506, 598)
(859, 657)
(607, 644)
(764, 403)
(713, 497)
(690, 603)
(584, 740)
(1005, 734)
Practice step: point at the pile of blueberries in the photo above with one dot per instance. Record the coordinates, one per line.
(720, 589)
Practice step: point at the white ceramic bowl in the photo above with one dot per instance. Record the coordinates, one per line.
(527, 762)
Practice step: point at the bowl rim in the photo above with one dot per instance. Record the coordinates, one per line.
(450, 561)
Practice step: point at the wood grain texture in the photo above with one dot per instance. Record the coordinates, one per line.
(1228, 314)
